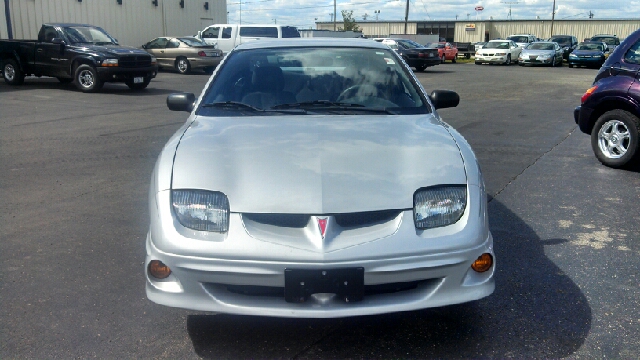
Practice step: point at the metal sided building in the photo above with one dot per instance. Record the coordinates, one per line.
(132, 22)
(484, 30)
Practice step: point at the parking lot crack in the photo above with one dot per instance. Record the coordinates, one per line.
(533, 163)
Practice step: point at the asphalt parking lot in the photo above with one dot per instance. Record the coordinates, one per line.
(74, 175)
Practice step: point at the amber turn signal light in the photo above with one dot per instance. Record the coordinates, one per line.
(483, 263)
(158, 269)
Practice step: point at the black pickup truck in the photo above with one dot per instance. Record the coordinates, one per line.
(84, 54)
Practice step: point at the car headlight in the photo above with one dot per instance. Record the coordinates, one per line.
(201, 210)
(439, 206)
(110, 62)
(154, 60)
(501, 54)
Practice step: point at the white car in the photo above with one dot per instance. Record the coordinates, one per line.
(498, 52)
(314, 178)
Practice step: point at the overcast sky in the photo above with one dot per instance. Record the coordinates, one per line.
(304, 13)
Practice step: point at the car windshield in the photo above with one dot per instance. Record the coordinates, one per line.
(409, 44)
(88, 34)
(520, 39)
(540, 46)
(311, 80)
(562, 40)
(590, 46)
(191, 41)
(496, 45)
(609, 40)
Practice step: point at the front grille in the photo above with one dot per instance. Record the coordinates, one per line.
(135, 61)
(348, 220)
(365, 218)
(274, 291)
(281, 220)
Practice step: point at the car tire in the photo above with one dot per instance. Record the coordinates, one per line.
(454, 59)
(139, 86)
(559, 63)
(443, 59)
(12, 73)
(420, 68)
(508, 61)
(570, 65)
(478, 63)
(86, 79)
(614, 138)
(183, 66)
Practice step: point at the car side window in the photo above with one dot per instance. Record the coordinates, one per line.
(158, 43)
(173, 44)
(47, 34)
(211, 33)
(632, 56)
(226, 33)
(271, 32)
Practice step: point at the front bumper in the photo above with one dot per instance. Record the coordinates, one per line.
(120, 74)
(591, 62)
(222, 278)
(537, 61)
(491, 59)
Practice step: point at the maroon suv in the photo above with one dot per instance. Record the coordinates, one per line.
(610, 109)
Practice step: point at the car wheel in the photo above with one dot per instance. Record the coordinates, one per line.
(508, 61)
(183, 66)
(478, 63)
(570, 65)
(12, 73)
(443, 59)
(454, 59)
(86, 79)
(420, 68)
(138, 86)
(560, 63)
(614, 138)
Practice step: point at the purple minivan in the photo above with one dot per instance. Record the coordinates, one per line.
(610, 109)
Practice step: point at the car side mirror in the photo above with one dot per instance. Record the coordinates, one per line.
(444, 99)
(181, 102)
(58, 41)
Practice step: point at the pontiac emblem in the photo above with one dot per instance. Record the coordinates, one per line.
(322, 225)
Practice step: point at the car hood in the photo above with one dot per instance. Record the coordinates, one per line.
(317, 164)
(491, 50)
(114, 50)
(587, 52)
(537, 52)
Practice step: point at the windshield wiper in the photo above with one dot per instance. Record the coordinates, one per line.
(331, 105)
(235, 105)
(104, 43)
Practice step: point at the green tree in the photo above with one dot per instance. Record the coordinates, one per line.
(349, 22)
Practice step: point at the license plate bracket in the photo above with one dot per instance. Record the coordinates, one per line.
(346, 283)
(138, 80)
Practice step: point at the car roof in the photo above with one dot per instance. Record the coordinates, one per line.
(319, 42)
(67, 24)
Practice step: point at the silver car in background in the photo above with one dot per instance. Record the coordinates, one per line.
(314, 178)
(184, 54)
(541, 53)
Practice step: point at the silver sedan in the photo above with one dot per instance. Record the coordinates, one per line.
(541, 53)
(184, 54)
(315, 178)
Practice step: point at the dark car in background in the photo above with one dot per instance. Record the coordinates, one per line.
(610, 109)
(568, 43)
(612, 41)
(589, 54)
(415, 55)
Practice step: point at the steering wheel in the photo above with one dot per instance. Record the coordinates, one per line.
(358, 91)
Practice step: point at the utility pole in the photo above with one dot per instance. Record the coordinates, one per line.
(406, 17)
(240, 12)
(553, 16)
(335, 15)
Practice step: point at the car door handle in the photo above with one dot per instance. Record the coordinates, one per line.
(161, 51)
(40, 50)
